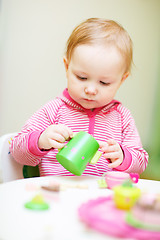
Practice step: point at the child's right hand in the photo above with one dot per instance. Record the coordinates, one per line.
(54, 137)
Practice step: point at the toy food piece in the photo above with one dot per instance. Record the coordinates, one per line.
(54, 187)
(102, 183)
(125, 195)
(145, 214)
(37, 203)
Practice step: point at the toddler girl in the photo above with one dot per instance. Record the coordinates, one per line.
(97, 61)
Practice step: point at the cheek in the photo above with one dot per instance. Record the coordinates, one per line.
(71, 77)
(108, 93)
(72, 86)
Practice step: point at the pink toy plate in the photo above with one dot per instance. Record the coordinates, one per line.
(101, 214)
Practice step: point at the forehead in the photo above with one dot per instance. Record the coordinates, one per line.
(98, 57)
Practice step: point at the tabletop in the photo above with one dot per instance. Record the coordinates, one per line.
(61, 221)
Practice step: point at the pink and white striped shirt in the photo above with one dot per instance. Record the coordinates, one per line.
(112, 121)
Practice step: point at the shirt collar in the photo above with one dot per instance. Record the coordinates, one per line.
(67, 98)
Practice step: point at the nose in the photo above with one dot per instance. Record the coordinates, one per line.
(90, 90)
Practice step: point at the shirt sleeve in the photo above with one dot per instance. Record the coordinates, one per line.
(135, 157)
(24, 146)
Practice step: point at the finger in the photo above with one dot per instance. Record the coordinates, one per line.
(101, 143)
(103, 146)
(115, 163)
(70, 132)
(112, 155)
(55, 144)
(65, 131)
(57, 137)
(111, 142)
(113, 148)
(109, 146)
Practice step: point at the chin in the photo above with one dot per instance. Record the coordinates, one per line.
(88, 107)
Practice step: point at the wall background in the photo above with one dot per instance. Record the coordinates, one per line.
(33, 37)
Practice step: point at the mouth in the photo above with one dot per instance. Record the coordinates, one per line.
(89, 100)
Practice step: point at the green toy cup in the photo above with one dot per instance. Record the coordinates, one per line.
(78, 152)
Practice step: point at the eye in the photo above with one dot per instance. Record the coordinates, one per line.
(104, 83)
(81, 78)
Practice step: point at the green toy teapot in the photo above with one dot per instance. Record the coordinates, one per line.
(78, 152)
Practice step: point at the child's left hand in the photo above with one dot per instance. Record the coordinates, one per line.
(113, 152)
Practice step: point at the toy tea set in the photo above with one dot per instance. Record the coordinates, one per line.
(126, 214)
(119, 214)
(116, 211)
(83, 149)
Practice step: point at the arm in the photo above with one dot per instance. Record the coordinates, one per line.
(39, 136)
(24, 146)
(127, 155)
(135, 157)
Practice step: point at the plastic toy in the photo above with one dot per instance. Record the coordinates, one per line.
(102, 183)
(78, 152)
(101, 214)
(115, 178)
(37, 203)
(52, 187)
(125, 195)
(145, 214)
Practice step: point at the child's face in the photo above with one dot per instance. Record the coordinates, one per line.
(94, 75)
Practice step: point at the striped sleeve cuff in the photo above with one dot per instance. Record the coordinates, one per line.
(33, 144)
(126, 161)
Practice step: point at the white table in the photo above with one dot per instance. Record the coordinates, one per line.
(61, 221)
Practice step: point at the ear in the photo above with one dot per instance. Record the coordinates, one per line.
(125, 75)
(65, 60)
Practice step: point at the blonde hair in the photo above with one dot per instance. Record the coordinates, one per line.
(97, 30)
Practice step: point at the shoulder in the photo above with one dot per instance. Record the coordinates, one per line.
(116, 106)
(48, 111)
(54, 104)
(125, 113)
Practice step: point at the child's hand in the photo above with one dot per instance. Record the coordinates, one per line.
(112, 151)
(54, 137)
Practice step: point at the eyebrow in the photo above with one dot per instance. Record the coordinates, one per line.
(79, 72)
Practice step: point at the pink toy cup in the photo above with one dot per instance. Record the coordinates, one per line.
(115, 178)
